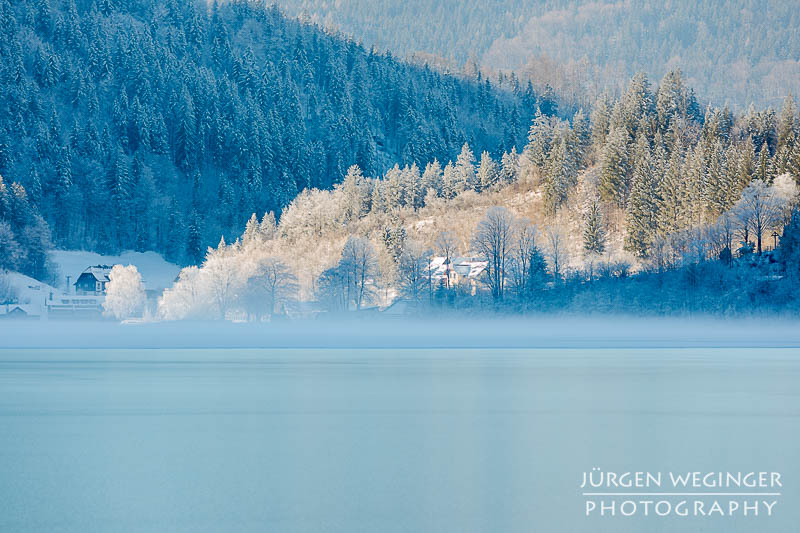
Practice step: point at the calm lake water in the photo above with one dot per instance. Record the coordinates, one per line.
(381, 440)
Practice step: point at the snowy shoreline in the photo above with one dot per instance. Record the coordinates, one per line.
(555, 332)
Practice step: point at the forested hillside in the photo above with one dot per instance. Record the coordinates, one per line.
(733, 51)
(648, 205)
(24, 235)
(157, 124)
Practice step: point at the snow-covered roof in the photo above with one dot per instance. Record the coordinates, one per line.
(464, 266)
(436, 263)
(476, 268)
(28, 309)
(99, 272)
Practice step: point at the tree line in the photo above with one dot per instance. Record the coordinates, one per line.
(646, 188)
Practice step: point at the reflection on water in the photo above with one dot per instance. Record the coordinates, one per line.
(366, 440)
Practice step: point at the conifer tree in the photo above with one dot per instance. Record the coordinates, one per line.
(788, 123)
(539, 140)
(194, 242)
(762, 170)
(509, 168)
(637, 101)
(432, 177)
(670, 100)
(594, 235)
(601, 122)
(642, 215)
(614, 168)
(251, 230)
(488, 172)
(354, 193)
(394, 238)
(393, 194)
(559, 176)
(793, 166)
(268, 228)
(377, 204)
(412, 187)
(714, 188)
(465, 169)
(449, 182)
(747, 163)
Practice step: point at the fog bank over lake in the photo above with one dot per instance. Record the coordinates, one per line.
(432, 332)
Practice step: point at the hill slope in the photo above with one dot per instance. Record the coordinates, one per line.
(161, 125)
(736, 51)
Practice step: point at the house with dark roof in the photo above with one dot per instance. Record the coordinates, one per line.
(93, 280)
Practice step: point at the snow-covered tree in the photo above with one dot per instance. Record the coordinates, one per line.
(465, 170)
(509, 166)
(540, 138)
(642, 213)
(186, 298)
(450, 185)
(594, 234)
(614, 168)
(432, 177)
(355, 195)
(559, 176)
(125, 295)
(221, 274)
(488, 172)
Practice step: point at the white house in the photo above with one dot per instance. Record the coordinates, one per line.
(456, 271)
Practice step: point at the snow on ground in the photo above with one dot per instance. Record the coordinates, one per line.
(31, 294)
(157, 273)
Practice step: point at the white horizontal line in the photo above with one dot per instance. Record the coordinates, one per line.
(681, 493)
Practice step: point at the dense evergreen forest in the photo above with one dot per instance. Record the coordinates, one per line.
(732, 51)
(157, 124)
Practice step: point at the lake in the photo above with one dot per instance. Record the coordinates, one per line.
(382, 440)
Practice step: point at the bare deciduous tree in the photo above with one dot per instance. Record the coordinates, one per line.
(415, 274)
(446, 246)
(759, 210)
(526, 262)
(272, 285)
(359, 265)
(557, 251)
(493, 239)
(331, 289)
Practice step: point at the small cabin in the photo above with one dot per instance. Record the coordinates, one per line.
(398, 309)
(93, 280)
(18, 311)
